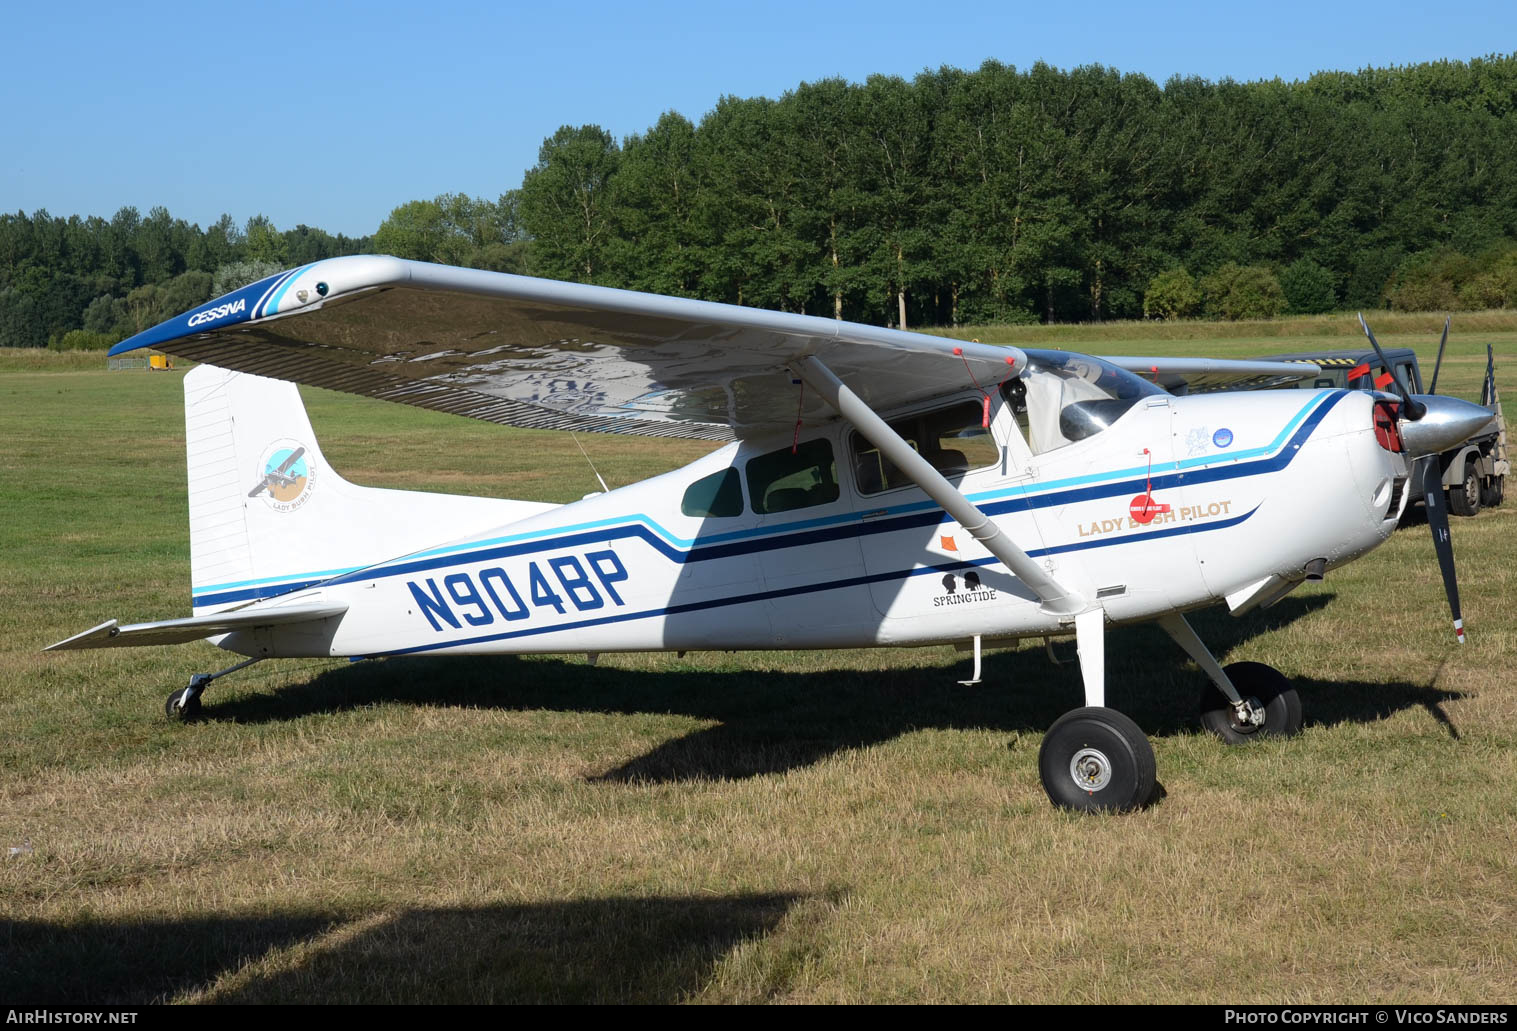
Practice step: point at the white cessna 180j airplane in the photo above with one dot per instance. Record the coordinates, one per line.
(880, 488)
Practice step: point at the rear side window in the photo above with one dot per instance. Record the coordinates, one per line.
(783, 482)
(720, 495)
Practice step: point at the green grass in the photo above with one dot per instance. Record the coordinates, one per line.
(799, 827)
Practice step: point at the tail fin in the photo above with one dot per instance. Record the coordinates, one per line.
(268, 515)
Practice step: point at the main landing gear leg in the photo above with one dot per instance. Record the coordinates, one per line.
(1095, 757)
(1245, 700)
(184, 705)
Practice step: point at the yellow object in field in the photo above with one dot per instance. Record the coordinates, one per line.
(159, 362)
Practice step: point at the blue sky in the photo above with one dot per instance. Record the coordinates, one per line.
(331, 114)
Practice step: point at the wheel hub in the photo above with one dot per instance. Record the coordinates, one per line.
(1090, 769)
(1248, 715)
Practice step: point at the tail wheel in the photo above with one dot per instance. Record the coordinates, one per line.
(183, 705)
(1464, 500)
(1266, 691)
(1097, 759)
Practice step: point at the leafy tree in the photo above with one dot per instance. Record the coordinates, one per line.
(1243, 292)
(657, 246)
(565, 201)
(184, 292)
(1496, 285)
(263, 243)
(82, 340)
(454, 229)
(1171, 294)
(1430, 281)
(1309, 288)
(107, 315)
(240, 273)
(20, 325)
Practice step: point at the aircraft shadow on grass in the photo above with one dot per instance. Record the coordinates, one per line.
(621, 949)
(770, 722)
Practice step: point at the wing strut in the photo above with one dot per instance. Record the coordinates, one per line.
(1056, 598)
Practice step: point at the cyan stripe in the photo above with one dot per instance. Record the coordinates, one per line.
(843, 526)
(272, 308)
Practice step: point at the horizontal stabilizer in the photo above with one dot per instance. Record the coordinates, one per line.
(194, 628)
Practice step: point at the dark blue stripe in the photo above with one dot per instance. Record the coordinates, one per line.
(930, 517)
(833, 585)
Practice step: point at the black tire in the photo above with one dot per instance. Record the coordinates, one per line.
(1267, 688)
(1096, 759)
(182, 713)
(1492, 491)
(1464, 500)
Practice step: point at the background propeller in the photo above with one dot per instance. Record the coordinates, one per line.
(1427, 472)
(1410, 408)
(1432, 388)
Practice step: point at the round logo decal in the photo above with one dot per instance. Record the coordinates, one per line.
(1223, 437)
(285, 476)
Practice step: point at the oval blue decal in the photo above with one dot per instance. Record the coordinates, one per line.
(1223, 437)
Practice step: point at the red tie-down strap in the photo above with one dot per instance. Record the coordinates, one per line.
(985, 407)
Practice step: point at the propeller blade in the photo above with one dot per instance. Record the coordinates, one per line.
(1410, 409)
(1488, 388)
(1438, 522)
(1433, 387)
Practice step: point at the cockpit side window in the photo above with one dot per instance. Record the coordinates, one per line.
(953, 439)
(1063, 398)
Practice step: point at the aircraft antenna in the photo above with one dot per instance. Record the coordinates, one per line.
(589, 463)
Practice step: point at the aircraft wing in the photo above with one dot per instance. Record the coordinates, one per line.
(553, 355)
(193, 628)
(1204, 375)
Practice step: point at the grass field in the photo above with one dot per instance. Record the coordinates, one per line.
(789, 827)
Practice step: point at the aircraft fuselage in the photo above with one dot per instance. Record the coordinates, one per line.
(1180, 503)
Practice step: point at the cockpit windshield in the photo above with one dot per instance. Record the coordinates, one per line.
(1064, 397)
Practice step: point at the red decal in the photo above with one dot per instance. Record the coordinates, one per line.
(1143, 508)
(1358, 370)
(1383, 380)
(948, 544)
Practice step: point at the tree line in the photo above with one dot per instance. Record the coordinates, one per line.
(956, 197)
(88, 282)
(1021, 195)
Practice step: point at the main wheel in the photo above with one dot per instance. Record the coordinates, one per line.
(1464, 500)
(1492, 491)
(1096, 758)
(179, 709)
(1265, 689)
